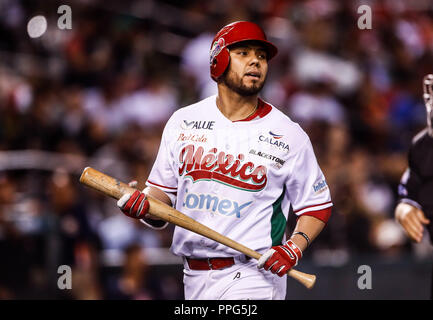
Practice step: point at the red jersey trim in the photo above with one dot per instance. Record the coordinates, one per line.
(262, 110)
(158, 185)
(322, 215)
(316, 205)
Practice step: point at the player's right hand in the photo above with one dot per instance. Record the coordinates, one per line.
(134, 205)
(412, 220)
(280, 259)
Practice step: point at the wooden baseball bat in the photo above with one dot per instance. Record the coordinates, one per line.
(116, 189)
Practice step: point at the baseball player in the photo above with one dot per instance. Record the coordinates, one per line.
(236, 164)
(415, 206)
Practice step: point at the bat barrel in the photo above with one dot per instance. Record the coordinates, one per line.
(104, 183)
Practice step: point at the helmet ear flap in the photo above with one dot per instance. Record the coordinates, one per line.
(220, 63)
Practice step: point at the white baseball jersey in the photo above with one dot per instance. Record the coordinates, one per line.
(237, 177)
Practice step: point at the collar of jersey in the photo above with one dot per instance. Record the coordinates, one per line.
(262, 110)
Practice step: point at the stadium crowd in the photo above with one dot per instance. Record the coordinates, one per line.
(101, 93)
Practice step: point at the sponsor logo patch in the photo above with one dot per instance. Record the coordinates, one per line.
(274, 140)
(279, 162)
(192, 137)
(213, 203)
(320, 186)
(275, 136)
(188, 125)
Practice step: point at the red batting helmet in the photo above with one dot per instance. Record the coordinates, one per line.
(233, 33)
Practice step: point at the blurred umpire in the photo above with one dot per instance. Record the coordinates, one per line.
(415, 208)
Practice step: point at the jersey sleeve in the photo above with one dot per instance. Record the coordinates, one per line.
(163, 175)
(306, 186)
(410, 182)
(408, 188)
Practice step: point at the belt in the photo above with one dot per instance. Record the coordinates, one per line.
(210, 263)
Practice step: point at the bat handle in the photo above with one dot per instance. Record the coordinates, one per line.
(308, 280)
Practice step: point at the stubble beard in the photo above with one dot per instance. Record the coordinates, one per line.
(234, 83)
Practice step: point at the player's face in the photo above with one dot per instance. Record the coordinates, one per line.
(248, 68)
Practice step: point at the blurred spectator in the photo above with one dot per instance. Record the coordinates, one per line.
(86, 282)
(133, 281)
(316, 103)
(195, 61)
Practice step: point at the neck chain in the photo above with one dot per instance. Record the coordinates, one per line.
(252, 112)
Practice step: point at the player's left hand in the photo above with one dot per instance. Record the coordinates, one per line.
(280, 259)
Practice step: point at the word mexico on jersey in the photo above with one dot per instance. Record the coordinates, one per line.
(221, 167)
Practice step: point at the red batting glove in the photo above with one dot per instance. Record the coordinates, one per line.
(280, 259)
(134, 205)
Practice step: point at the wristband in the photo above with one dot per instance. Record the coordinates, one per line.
(304, 235)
